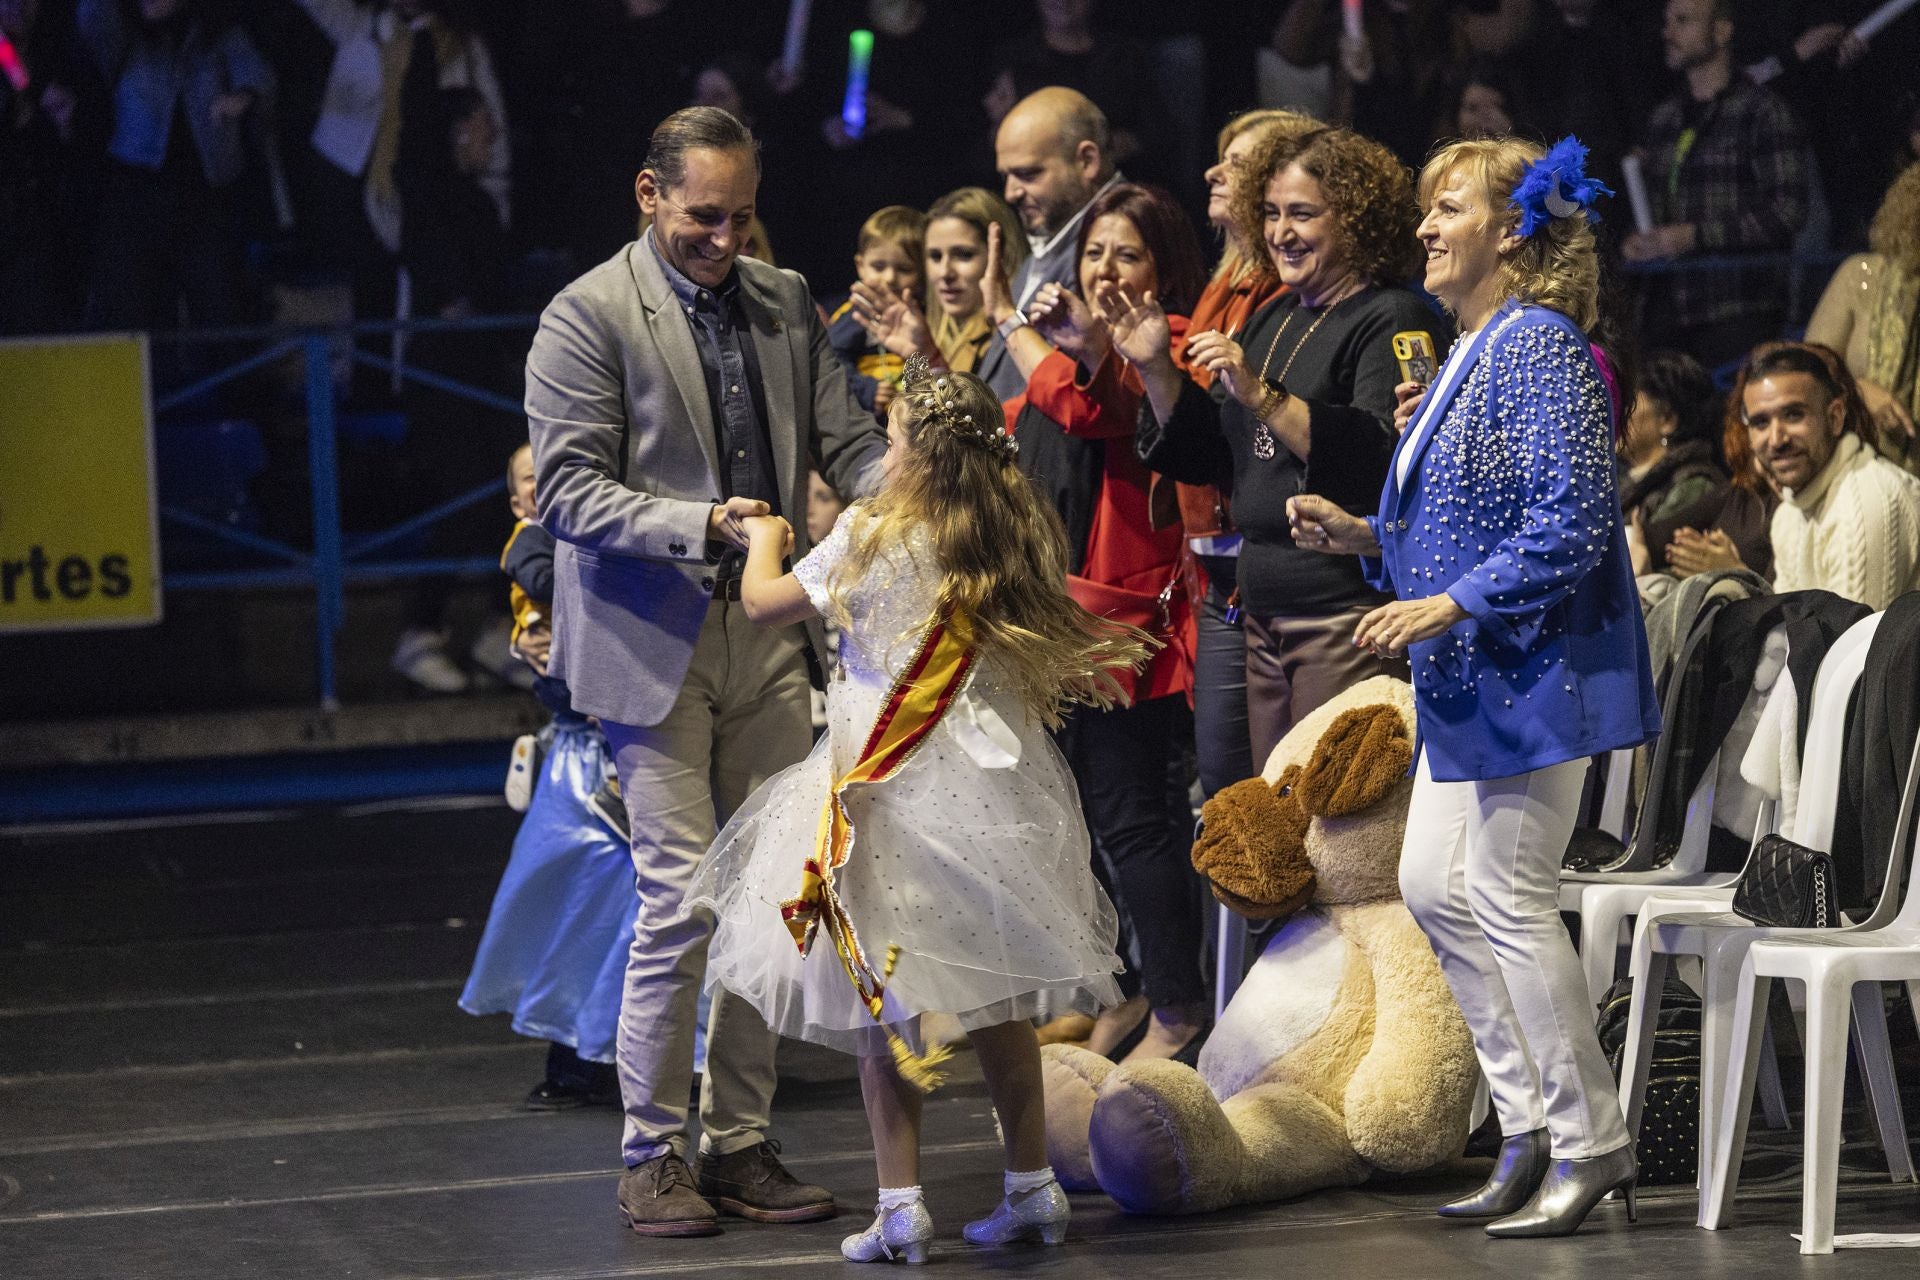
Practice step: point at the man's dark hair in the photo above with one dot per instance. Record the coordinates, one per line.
(695, 128)
(1821, 363)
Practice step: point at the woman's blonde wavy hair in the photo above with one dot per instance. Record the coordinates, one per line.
(1002, 552)
(1895, 234)
(1558, 265)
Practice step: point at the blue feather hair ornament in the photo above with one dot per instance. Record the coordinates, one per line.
(1557, 186)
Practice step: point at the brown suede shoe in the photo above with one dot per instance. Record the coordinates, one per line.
(657, 1199)
(752, 1183)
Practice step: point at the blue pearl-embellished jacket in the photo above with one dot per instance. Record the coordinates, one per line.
(1509, 507)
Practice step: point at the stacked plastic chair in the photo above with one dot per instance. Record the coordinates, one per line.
(1842, 970)
(1696, 922)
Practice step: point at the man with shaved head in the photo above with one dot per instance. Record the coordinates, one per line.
(1052, 151)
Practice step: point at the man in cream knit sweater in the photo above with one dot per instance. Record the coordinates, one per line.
(1849, 521)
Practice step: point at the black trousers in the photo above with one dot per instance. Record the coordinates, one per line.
(1221, 739)
(1121, 760)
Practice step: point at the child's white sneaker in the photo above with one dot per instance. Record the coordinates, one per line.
(902, 1230)
(1039, 1213)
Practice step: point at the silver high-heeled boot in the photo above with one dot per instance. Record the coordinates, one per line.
(900, 1232)
(1040, 1214)
(1569, 1192)
(1522, 1163)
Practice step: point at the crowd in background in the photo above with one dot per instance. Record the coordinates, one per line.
(209, 163)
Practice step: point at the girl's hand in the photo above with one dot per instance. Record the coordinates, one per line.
(1223, 357)
(893, 319)
(764, 528)
(1406, 403)
(1321, 525)
(1136, 323)
(1888, 414)
(1069, 324)
(995, 291)
(1392, 628)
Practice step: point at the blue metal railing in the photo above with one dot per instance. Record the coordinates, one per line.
(330, 564)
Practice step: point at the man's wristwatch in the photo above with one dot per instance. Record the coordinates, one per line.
(1018, 320)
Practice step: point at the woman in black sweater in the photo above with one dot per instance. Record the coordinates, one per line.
(1302, 402)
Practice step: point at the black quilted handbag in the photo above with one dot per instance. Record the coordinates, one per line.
(1788, 886)
(1669, 1142)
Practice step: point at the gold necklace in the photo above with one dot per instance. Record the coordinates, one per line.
(1263, 442)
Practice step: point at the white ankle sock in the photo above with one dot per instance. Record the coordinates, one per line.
(892, 1198)
(1022, 1182)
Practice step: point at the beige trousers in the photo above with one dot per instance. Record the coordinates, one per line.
(741, 717)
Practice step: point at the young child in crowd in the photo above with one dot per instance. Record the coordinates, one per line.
(887, 259)
(554, 953)
(969, 890)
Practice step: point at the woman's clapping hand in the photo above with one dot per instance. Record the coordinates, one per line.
(1136, 324)
(1064, 320)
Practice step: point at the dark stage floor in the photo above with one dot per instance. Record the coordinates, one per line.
(232, 1050)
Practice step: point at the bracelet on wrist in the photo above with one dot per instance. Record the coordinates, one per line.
(1271, 402)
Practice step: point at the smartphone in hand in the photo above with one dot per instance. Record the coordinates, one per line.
(1413, 348)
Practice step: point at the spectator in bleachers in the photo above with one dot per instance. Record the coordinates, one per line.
(1849, 520)
(46, 130)
(1870, 314)
(1587, 76)
(1486, 104)
(1054, 151)
(1391, 82)
(1110, 68)
(1670, 449)
(362, 118)
(1727, 168)
(182, 89)
(589, 79)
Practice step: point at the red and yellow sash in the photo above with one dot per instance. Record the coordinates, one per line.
(914, 707)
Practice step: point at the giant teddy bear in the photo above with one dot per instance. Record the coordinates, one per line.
(1343, 1052)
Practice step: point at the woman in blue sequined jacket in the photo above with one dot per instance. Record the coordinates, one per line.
(1499, 531)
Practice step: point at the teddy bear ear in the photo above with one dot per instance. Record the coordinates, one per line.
(1356, 762)
(1252, 847)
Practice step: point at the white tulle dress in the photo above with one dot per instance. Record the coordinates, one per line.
(972, 860)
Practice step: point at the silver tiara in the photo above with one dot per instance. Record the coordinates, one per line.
(931, 393)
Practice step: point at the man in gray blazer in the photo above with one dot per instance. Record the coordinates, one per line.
(1052, 151)
(672, 392)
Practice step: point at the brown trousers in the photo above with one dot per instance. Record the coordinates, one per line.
(1296, 664)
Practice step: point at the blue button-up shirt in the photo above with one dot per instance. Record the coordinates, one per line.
(724, 337)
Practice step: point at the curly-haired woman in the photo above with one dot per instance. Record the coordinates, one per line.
(1302, 400)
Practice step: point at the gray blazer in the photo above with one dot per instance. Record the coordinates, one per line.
(627, 462)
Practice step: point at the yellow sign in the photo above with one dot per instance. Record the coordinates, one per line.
(79, 524)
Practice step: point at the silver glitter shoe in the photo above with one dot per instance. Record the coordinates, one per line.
(1041, 1215)
(898, 1234)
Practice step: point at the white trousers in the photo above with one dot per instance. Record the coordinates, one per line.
(1480, 870)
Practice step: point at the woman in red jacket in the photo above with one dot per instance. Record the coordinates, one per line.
(1075, 425)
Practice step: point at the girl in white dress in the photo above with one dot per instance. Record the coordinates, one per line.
(930, 855)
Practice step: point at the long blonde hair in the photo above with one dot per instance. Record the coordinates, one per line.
(1000, 547)
(979, 208)
(1240, 260)
(1557, 266)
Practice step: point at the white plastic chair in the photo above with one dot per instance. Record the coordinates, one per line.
(1842, 971)
(1720, 939)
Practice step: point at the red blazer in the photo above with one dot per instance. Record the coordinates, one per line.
(1129, 565)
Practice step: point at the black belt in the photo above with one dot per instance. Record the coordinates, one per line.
(725, 588)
